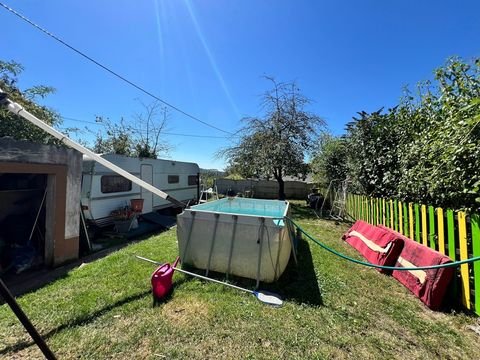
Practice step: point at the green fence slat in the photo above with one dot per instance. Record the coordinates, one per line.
(380, 220)
(431, 227)
(349, 204)
(401, 219)
(452, 250)
(357, 212)
(360, 207)
(387, 213)
(417, 223)
(451, 234)
(364, 209)
(405, 220)
(372, 211)
(475, 223)
(352, 206)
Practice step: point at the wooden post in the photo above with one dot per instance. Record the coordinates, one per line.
(462, 239)
(424, 226)
(475, 221)
(431, 230)
(410, 220)
(441, 231)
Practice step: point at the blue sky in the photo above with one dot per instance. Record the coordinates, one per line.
(208, 57)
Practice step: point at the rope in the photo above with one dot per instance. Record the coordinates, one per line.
(364, 263)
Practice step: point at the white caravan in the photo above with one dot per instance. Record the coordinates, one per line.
(104, 191)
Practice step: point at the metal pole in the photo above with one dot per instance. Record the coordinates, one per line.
(235, 220)
(17, 310)
(212, 244)
(260, 241)
(38, 215)
(198, 276)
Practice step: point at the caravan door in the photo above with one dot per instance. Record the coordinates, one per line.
(146, 174)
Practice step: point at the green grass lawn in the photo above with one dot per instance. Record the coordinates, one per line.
(333, 309)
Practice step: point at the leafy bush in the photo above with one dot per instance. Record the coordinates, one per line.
(15, 126)
(426, 149)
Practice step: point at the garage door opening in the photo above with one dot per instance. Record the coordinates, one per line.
(22, 221)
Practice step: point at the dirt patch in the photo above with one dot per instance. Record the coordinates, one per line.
(186, 312)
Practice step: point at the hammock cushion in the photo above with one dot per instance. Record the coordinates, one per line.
(379, 246)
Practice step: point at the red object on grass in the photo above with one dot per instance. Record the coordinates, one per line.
(377, 245)
(429, 286)
(162, 280)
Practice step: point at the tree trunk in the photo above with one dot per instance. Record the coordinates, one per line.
(281, 189)
(277, 174)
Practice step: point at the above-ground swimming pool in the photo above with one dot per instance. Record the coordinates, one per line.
(238, 236)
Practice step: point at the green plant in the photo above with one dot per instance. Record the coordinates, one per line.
(123, 213)
(426, 149)
(15, 126)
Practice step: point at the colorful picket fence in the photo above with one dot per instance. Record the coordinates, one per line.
(452, 233)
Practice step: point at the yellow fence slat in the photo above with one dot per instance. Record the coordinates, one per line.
(441, 233)
(410, 219)
(400, 217)
(391, 214)
(462, 239)
(424, 226)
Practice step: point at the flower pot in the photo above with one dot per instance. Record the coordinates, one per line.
(136, 205)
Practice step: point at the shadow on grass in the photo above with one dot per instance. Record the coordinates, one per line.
(30, 281)
(299, 282)
(301, 212)
(80, 321)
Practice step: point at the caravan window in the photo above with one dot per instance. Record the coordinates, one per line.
(192, 180)
(173, 179)
(115, 183)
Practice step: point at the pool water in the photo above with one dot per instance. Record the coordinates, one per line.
(245, 206)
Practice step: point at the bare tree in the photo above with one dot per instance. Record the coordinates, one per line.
(139, 137)
(149, 125)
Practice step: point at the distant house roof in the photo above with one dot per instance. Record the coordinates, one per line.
(308, 178)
